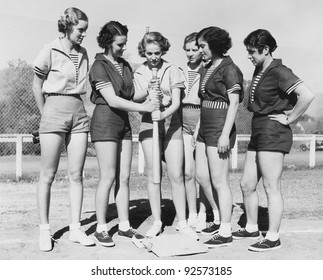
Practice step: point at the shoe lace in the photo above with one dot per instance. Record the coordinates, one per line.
(216, 236)
(105, 234)
(211, 224)
(262, 241)
(133, 231)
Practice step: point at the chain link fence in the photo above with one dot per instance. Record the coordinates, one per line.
(19, 113)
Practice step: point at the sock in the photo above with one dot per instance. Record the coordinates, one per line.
(182, 223)
(201, 216)
(75, 226)
(158, 223)
(251, 228)
(272, 236)
(192, 215)
(102, 227)
(225, 229)
(44, 227)
(124, 226)
(216, 215)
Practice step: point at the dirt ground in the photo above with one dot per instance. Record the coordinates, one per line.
(301, 230)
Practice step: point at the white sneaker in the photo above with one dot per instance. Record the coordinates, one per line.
(192, 221)
(45, 240)
(78, 236)
(154, 231)
(201, 224)
(189, 232)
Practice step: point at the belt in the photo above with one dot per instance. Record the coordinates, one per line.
(191, 106)
(62, 94)
(215, 104)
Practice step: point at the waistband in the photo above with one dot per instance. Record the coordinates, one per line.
(214, 104)
(191, 106)
(62, 94)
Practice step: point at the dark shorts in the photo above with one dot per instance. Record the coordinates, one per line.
(109, 125)
(270, 135)
(191, 115)
(211, 126)
(64, 114)
(169, 128)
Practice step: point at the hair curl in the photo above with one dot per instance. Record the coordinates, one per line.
(70, 18)
(218, 39)
(156, 38)
(108, 31)
(189, 38)
(260, 39)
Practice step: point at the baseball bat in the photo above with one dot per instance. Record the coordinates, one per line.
(156, 149)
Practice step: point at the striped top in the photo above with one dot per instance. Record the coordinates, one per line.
(206, 77)
(235, 87)
(104, 84)
(191, 77)
(254, 85)
(75, 59)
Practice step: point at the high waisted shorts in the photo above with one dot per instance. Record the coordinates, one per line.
(211, 126)
(270, 135)
(191, 115)
(110, 124)
(64, 114)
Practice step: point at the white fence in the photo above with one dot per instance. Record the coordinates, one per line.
(19, 139)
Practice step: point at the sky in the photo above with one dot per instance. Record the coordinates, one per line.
(296, 25)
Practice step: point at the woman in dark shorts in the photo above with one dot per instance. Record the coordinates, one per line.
(111, 80)
(61, 70)
(191, 107)
(277, 97)
(220, 93)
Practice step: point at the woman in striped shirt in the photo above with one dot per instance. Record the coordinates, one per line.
(220, 93)
(60, 79)
(111, 79)
(190, 121)
(277, 98)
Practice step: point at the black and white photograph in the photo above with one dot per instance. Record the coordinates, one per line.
(161, 139)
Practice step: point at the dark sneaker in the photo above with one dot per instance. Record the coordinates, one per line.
(218, 241)
(104, 239)
(243, 233)
(211, 229)
(265, 245)
(130, 233)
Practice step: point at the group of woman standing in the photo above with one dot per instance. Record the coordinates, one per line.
(195, 110)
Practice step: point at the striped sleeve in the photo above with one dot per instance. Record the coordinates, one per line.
(294, 86)
(102, 85)
(236, 88)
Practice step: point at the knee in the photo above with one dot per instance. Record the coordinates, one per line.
(48, 176)
(247, 187)
(124, 179)
(75, 176)
(271, 187)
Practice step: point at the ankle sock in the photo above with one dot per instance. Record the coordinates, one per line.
(102, 227)
(124, 226)
(225, 229)
(272, 236)
(75, 226)
(251, 227)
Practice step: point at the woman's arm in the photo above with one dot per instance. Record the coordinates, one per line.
(176, 102)
(38, 93)
(305, 97)
(224, 142)
(117, 102)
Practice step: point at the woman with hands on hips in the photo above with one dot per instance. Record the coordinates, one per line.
(277, 97)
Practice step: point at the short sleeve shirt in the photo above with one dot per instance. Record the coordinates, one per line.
(274, 92)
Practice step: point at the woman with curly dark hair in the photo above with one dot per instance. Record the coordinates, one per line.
(60, 79)
(170, 82)
(111, 80)
(220, 92)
